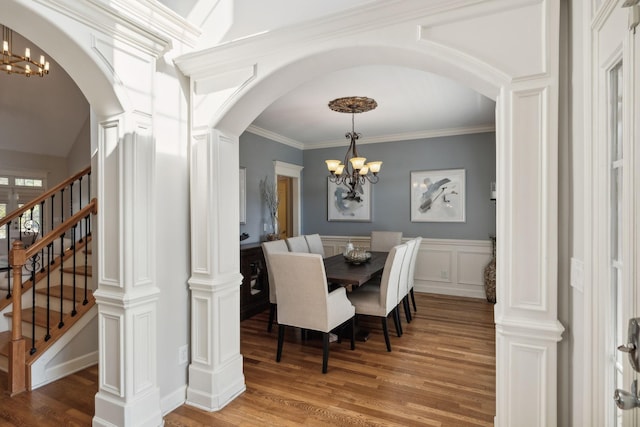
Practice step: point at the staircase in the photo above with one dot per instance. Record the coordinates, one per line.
(64, 343)
(48, 325)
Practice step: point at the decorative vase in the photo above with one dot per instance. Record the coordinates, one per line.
(490, 274)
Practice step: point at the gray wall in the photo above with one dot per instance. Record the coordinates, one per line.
(257, 154)
(391, 195)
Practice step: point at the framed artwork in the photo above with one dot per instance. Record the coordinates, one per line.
(343, 206)
(438, 196)
(243, 195)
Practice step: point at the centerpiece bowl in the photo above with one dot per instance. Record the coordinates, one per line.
(357, 256)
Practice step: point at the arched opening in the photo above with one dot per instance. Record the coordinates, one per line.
(239, 112)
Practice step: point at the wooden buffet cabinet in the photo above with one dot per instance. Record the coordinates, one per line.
(254, 291)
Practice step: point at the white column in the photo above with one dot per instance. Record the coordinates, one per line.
(527, 326)
(128, 392)
(215, 373)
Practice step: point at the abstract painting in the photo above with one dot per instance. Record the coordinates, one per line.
(343, 205)
(438, 196)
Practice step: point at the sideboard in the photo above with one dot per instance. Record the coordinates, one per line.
(254, 291)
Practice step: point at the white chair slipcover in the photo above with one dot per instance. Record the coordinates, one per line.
(269, 248)
(304, 300)
(298, 244)
(384, 301)
(383, 241)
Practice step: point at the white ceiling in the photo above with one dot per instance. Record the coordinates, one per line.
(45, 115)
(411, 104)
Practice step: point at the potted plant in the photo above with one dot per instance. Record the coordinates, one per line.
(270, 194)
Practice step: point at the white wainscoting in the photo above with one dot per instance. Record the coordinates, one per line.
(443, 266)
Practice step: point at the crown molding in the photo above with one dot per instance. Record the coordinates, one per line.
(275, 137)
(435, 133)
(408, 136)
(370, 17)
(144, 24)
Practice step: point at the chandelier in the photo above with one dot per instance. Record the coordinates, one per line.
(12, 63)
(353, 172)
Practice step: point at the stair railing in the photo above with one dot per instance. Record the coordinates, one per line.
(20, 256)
(23, 224)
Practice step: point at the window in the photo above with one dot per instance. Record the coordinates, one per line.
(17, 189)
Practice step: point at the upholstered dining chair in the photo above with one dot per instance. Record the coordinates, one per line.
(298, 244)
(268, 249)
(384, 301)
(403, 286)
(305, 302)
(383, 241)
(412, 271)
(315, 244)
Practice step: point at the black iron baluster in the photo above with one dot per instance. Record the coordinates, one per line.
(9, 272)
(61, 324)
(86, 261)
(80, 206)
(52, 260)
(88, 199)
(42, 232)
(33, 305)
(73, 247)
(47, 337)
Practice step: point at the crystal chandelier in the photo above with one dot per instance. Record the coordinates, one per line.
(12, 63)
(354, 171)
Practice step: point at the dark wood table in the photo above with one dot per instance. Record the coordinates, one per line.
(340, 272)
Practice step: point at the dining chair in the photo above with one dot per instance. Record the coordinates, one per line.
(298, 244)
(403, 286)
(385, 301)
(305, 302)
(268, 249)
(383, 241)
(314, 242)
(412, 271)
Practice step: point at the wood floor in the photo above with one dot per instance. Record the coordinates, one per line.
(441, 372)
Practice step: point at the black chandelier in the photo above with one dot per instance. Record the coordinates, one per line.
(353, 172)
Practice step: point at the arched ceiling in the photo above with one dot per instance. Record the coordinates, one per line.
(42, 115)
(45, 115)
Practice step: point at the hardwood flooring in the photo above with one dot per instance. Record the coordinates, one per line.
(441, 372)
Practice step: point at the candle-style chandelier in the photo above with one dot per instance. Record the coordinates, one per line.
(12, 63)
(353, 172)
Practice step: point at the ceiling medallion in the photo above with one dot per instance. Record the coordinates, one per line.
(353, 104)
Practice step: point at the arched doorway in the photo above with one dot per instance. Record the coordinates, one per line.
(527, 328)
(123, 160)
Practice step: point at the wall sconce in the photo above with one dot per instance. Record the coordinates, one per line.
(492, 193)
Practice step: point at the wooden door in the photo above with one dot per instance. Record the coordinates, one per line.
(284, 207)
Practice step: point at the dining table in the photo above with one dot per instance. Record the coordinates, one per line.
(341, 272)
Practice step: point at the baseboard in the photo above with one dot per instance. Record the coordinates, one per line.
(173, 400)
(441, 289)
(67, 368)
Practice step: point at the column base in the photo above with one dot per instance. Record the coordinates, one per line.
(211, 390)
(114, 412)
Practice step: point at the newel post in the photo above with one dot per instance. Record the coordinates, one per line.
(17, 259)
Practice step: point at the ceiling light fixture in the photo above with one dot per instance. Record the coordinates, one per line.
(13, 63)
(353, 172)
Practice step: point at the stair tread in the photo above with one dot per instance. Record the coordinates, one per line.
(80, 269)
(41, 316)
(67, 292)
